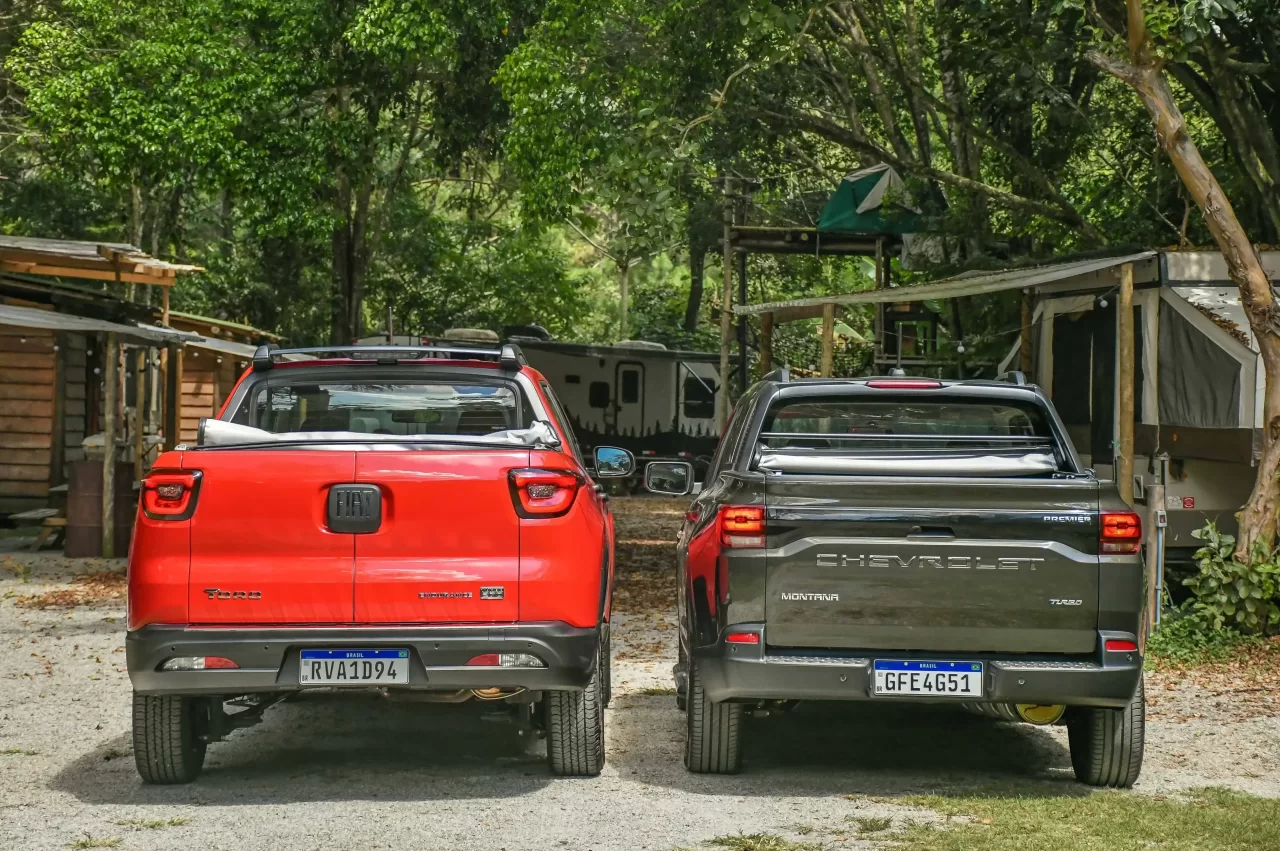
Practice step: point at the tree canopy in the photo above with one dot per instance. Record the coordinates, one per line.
(515, 161)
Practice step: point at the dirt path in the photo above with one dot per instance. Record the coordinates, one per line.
(334, 772)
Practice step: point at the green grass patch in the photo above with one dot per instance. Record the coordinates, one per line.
(18, 752)
(872, 824)
(654, 691)
(96, 842)
(759, 842)
(1182, 643)
(1207, 820)
(153, 823)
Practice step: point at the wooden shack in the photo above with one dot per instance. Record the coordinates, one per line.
(212, 366)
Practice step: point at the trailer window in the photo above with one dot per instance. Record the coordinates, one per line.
(699, 398)
(630, 386)
(598, 394)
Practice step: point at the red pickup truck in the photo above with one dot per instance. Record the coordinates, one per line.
(375, 517)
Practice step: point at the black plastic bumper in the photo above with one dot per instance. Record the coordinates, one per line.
(757, 672)
(438, 656)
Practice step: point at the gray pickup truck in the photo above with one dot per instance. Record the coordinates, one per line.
(907, 539)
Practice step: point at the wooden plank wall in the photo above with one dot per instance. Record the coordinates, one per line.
(75, 401)
(26, 417)
(206, 383)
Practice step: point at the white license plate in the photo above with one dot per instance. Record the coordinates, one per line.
(354, 667)
(927, 679)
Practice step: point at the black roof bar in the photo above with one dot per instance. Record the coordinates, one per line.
(1013, 377)
(509, 356)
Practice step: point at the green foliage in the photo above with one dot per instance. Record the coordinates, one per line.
(1183, 641)
(1204, 820)
(1231, 594)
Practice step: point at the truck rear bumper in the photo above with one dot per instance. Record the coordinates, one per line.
(757, 672)
(268, 658)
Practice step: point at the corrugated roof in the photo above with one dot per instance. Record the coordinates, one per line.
(226, 347)
(102, 261)
(224, 323)
(967, 284)
(30, 317)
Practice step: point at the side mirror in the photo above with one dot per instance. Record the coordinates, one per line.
(613, 463)
(669, 477)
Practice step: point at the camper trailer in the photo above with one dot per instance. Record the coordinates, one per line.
(659, 403)
(1198, 380)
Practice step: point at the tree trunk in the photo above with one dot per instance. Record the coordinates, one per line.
(697, 264)
(624, 278)
(1146, 77)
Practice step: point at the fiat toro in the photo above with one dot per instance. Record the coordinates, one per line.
(403, 519)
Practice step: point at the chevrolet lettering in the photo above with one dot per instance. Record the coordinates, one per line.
(910, 539)
(938, 561)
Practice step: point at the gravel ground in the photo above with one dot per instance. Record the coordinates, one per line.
(336, 771)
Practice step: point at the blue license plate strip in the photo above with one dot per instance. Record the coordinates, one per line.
(344, 655)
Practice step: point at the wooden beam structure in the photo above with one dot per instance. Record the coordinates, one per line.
(828, 340)
(110, 422)
(726, 305)
(1124, 384)
(766, 343)
(1024, 342)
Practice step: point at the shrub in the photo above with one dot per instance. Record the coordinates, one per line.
(1231, 594)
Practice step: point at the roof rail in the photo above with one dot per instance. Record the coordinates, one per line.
(781, 374)
(509, 356)
(1013, 377)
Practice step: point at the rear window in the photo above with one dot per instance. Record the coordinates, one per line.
(403, 408)
(950, 422)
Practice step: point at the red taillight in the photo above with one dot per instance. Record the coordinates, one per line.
(1121, 532)
(743, 638)
(170, 495)
(543, 493)
(1120, 645)
(904, 384)
(487, 660)
(742, 526)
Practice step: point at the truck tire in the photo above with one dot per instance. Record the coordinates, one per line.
(714, 741)
(575, 730)
(1107, 744)
(167, 747)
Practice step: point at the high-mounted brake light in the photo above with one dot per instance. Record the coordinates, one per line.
(543, 493)
(1120, 532)
(741, 526)
(170, 495)
(904, 384)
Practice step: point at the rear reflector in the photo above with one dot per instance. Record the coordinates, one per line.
(1120, 532)
(1120, 645)
(507, 660)
(543, 493)
(743, 638)
(741, 526)
(197, 663)
(904, 384)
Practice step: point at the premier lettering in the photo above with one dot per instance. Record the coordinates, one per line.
(889, 562)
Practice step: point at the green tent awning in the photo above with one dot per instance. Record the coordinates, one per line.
(873, 200)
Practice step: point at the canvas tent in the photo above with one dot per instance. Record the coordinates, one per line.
(873, 200)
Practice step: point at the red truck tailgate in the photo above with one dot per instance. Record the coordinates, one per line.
(448, 549)
(261, 551)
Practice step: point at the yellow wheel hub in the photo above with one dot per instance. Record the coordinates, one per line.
(1034, 713)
